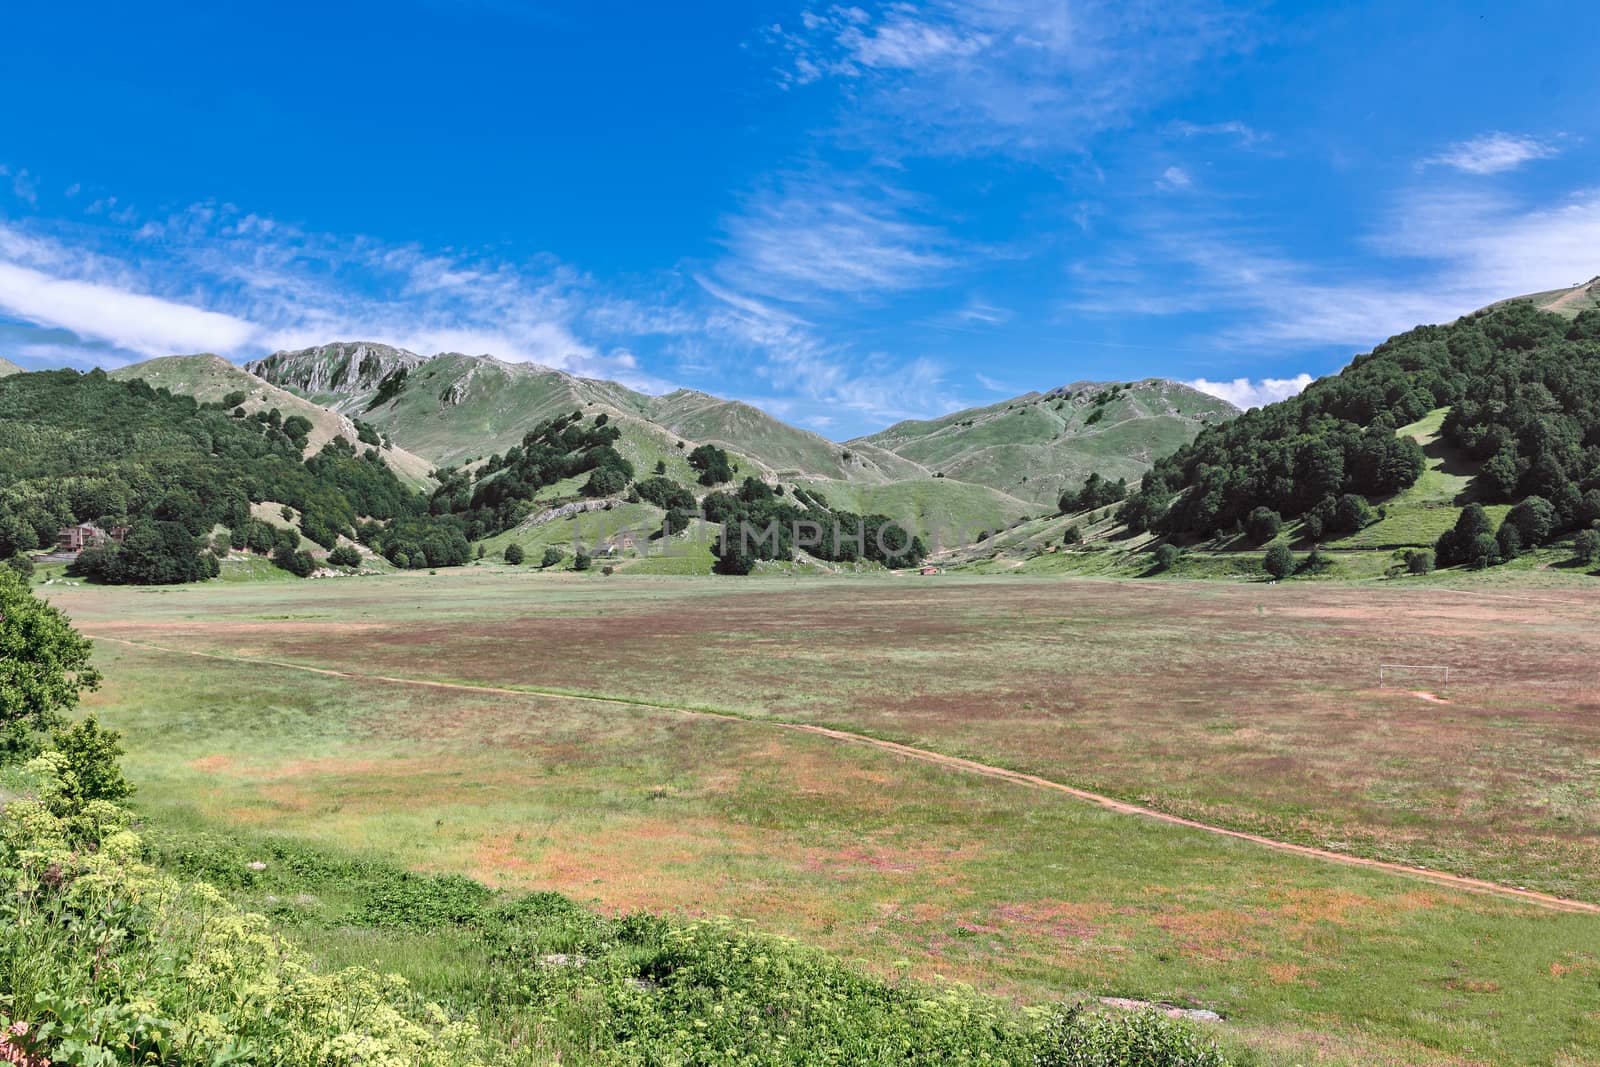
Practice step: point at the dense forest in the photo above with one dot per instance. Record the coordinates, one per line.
(86, 448)
(1523, 387)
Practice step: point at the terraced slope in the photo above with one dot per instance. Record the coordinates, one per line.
(1034, 446)
(210, 378)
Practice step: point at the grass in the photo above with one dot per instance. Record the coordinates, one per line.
(1035, 446)
(1240, 704)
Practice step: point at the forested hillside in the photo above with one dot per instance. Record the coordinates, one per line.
(1523, 389)
(86, 448)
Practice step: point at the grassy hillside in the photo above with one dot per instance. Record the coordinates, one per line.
(1568, 303)
(209, 378)
(738, 427)
(456, 410)
(1035, 446)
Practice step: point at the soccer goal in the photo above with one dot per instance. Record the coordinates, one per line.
(1406, 673)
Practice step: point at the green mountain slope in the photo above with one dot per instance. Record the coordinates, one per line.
(89, 448)
(210, 378)
(8, 367)
(456, 410)
(1034, 446)
(1568, 303)
(1501, 407)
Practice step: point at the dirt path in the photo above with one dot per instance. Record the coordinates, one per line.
(1454, 881)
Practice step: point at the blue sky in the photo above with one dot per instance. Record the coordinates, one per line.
(846, 214)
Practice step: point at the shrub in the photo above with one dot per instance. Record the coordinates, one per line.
(1166, 556)
(345, 556)
(1483, 552)
(1279, 561)
(734, 561)
(1586, 546)
(21, 566)
(91, 769)
(299, 564)
(582, 561)
(1262, 525)
(665, 493)
(1314, 563)
(675, 521)
(608, 570)
(1461, 544)
(712, 463)
(1351, 513)
(1077, 1037)
(605, 481)
(130, 965)
(514, 555)
(44, 662)
(1533, 520)
(1420, 561)
(1508, 540)
(1073, 536)
(551, 557)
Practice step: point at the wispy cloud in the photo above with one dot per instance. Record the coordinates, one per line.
(1439, 255)
(1240, 133)
(23, 185)
(982, 75)
(812, 235)
(1492, 153)
(1173, 179)
(1245, 393)
(214, 278)
(823, 375)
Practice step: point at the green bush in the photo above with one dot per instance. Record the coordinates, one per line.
(44, 662)
(514, 555)
(91, 769)
(105, 960)
(1279, 562)
(582, 561)
(1420, 561)
(1077, 1037)
(1262, 525)
(1166, 556)
(1586, 546)
(551, 557)
(346, 556)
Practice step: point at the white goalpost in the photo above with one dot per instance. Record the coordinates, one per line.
(1392, 672)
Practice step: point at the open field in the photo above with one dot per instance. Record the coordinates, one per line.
(1250, 707)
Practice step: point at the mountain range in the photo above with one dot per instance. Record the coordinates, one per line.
(987, 465)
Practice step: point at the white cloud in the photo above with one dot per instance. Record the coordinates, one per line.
(1240, 133)
(1012, 75)
(1174, 178)
(831, 376)
(213, 278)
(1440, 255)
(813, 235)
(140, 323)
(23, 185)
(1492, 153)
(1244, 393)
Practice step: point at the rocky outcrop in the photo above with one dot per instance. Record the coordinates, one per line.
(345, 368)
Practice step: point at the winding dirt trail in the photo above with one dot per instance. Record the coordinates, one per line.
(1453, 881)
